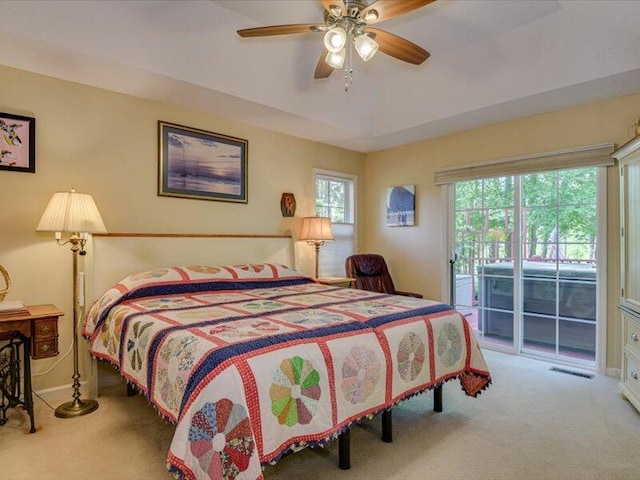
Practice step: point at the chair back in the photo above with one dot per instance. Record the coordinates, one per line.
(371, 273)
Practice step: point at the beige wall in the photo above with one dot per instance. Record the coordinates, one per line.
(105, 144)
(418, 255)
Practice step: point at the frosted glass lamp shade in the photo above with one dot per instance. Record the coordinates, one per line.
(335, 39)
(71, 212)
(335, 59)
(365, 46)
(316, 229)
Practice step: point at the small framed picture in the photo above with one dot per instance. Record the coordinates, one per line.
(204, 165)
(401, 206)
(18, 143)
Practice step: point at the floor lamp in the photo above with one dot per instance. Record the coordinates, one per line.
(315, 231)
(77, 215)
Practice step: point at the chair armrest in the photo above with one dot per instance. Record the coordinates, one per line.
(409, 294)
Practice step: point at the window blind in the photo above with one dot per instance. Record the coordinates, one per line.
(591, 156)
(333, 254)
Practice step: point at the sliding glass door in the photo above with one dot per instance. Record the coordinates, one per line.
(484, 237)
(525, 275)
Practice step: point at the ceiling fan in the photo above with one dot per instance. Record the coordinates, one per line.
(346, 24)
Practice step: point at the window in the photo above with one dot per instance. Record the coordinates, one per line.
(335, 198)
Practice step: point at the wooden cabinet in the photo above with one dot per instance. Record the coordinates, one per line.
(628, 157)
(35, 332)
(629, 383)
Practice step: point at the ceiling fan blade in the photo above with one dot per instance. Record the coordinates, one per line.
(280, 30)
(399, 47)
(327, 4)
(322, 69)
(392, 8)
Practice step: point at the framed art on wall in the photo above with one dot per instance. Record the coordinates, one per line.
(198, 164)
(18, 143)
(401, 206)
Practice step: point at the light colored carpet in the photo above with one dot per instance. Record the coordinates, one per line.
(530, 424)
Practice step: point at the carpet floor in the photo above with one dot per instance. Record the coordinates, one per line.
(532, 423)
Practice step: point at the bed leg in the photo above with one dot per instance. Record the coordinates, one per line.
(387, 426)
(437, 399)
(344, 451)
(130, 390)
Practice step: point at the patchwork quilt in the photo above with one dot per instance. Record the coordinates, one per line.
(253, 361)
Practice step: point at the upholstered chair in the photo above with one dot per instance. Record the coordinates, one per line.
(371, 273)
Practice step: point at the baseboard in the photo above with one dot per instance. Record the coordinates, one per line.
(613, 372)
(60, 393)
(65, 392)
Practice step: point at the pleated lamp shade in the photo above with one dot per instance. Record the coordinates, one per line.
(316, 229)
(71, 212)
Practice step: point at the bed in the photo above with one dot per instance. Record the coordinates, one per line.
(251, 362)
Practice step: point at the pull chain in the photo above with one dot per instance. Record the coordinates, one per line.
(348, 71)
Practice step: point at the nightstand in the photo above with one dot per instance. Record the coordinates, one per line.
(35, 331)
(345, 282)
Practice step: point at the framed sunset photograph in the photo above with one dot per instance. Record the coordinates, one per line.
(194, 163)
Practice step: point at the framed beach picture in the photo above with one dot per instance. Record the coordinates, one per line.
(18, 143)
(401, 206)
(204, 165)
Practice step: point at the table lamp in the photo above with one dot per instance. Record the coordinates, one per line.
(315, 231)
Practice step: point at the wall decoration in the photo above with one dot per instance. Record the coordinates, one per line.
(194, 163)
(288, 205)
(401, 206)
(18, 143)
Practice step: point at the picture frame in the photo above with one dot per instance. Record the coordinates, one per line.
(202, 165)
(401, 206)
(17, 143)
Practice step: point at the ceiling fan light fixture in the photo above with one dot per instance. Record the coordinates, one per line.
(336, 59)
(365, 46)
(335, 10)
(335, 39)
(371, 16)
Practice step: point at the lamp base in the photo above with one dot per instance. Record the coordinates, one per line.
(76, 408)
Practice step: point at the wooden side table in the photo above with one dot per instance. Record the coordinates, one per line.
(345, 282)
(37, 333)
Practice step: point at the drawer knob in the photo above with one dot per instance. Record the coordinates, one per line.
(45, 348)
(47, 329)
(634, 375)
(634, 337)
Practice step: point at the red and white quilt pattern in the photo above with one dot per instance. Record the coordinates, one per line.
(252, 361)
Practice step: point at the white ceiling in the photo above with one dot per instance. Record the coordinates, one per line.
(490, 61)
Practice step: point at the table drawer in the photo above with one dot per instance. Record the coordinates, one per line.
(45, 328)
(44, 348)
(632, 333)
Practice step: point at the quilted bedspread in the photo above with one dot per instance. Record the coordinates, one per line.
(253, 361)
